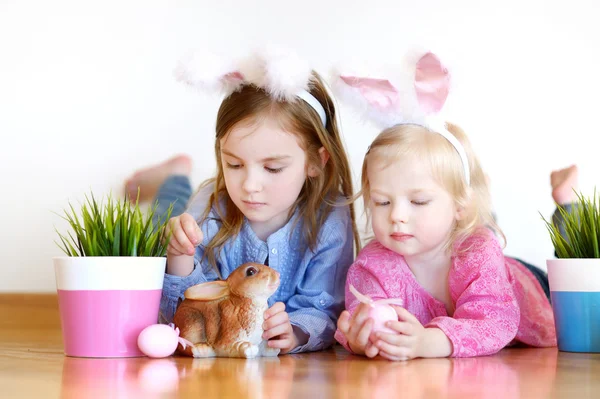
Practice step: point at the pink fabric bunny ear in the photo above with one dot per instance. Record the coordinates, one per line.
(378, 93)
(432, 83)
(209, 72)
(407, 92)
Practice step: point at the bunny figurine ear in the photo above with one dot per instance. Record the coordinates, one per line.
(207, 71)
(432, 83)
(208, 291)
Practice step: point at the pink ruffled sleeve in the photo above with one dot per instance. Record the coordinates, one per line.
(487, 314)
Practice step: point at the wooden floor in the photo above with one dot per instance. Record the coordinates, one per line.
(32, 364)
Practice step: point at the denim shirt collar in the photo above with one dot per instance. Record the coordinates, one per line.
(281, 235)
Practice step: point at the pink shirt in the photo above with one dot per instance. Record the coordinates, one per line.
(498, 301)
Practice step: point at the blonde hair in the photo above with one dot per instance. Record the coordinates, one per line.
(419, 142)
(319, 194)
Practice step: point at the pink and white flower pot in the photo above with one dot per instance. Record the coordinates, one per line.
(105, 302)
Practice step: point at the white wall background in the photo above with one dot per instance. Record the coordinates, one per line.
(87, 96)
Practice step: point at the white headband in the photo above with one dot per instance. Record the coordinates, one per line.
(315, 104)
(440, 128)
(282, 74)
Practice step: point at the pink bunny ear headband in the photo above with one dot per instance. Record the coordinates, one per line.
(417, 97)
(283, 75)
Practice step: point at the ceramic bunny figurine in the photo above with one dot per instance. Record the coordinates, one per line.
(225, 318)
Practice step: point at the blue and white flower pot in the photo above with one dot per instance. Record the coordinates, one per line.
(575, 294)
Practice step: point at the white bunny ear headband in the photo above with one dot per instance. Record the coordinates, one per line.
(417, 97)
(282, 74)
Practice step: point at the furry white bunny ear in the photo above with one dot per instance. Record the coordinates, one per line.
(417, 88)
(282, 73)
(208, 291)
(207, 71)
(375, 98)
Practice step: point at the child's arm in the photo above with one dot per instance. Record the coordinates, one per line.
(354, 328)
(183, 270)
(319, 298)
(487, 314)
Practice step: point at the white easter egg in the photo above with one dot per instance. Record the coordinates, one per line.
(381, 314)
(158, 340)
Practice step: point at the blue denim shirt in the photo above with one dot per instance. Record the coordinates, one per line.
(312, 282)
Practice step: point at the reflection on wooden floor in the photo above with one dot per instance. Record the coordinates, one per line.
(32, 364)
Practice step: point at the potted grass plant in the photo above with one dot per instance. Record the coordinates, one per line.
(574, 277)
(110, 281)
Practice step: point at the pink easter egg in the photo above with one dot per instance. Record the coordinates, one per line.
(381, 314)
(158, 340)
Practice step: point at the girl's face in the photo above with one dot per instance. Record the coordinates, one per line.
(412, 214)
(264, 169)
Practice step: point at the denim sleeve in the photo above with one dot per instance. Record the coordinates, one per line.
(174, 286)
(558, 220)
(319, 298)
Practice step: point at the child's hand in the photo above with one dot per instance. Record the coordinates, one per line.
(405, 345)
(185, 235)
(357, 329)
(277, 325)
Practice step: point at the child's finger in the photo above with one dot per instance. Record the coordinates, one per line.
(280, 343)
(363, 334)
(276, 308)
(174, 251)
(189, 225)
(180, 242)
(183, 239)
(176, 247)
(394, 339)
(275, 320)
(344, 323)
(393, 350)
(281, 329)
(401, 327)
(404, 314)
(361, 313)
(371, 350)
(168, 230)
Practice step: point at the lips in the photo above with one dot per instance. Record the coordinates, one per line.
(401, 236)
(253, 204)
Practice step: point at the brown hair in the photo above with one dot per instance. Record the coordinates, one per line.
(410, 140)
(319, 194)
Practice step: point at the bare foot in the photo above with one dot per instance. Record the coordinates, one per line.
(563, 182)
(150, 179)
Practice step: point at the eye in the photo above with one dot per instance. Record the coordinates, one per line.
(273, 170)
(382, 203)
(251, 271)
(420, 202)
(233, 166)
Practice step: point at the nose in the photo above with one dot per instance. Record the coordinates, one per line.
(252, 183)
(399, 213)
